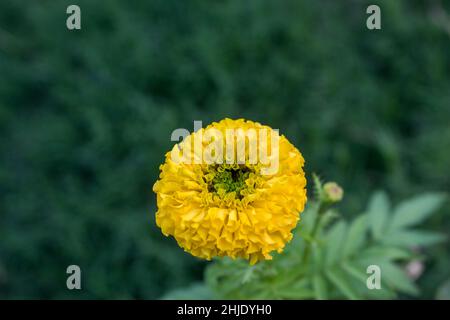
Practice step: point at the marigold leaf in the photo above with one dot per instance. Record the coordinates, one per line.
(197, 291)
(443, 292)
(318, 256)
(416, 210)
(320, 287)
(397, 278)
(335, 238)
(410, 238)
(378, 212)
(317, 186)
(358, 271)
(340, 281)
(307, 219)
(389, 253)
(356, 236)
(296, 292)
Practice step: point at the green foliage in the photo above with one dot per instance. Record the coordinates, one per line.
(340, 256)
(86, 118)
(198, 291)
(443, 292)
(415, 211)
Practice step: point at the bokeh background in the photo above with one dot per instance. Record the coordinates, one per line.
(86, 118)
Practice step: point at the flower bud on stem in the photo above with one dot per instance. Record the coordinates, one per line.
(327, 194)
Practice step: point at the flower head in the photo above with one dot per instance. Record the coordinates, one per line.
(244, 203)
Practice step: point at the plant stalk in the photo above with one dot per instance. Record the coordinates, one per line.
(320, 211)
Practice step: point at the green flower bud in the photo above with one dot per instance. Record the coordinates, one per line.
(332, 192)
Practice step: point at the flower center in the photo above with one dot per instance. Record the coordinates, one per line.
(227, 179)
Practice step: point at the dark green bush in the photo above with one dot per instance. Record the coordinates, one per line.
(86, 117)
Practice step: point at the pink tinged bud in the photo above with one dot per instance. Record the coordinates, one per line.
(333, 192)
(414, 269)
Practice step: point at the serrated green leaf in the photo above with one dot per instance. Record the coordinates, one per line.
(307, 221)
(225, 276)
(247, 275)
(197, 291)
(378, 213)
(290, 279)
(339, 280)
(335, 238)
(318, 256)
(415, 210)
(397, 278)
(443, 293)
(295, 293)
(389, 253)
(317, 186)
(260, 295)
(328, 217)
(356, 271)
(320, 287)
(356, 236)
(384, 293)
(410, 238)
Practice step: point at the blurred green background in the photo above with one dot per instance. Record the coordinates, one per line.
(86, 118)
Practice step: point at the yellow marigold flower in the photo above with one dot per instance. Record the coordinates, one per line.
(233, 207)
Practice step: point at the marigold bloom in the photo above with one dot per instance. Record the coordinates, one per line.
(231, 209)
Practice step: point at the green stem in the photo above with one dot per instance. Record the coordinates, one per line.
(322, 208)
